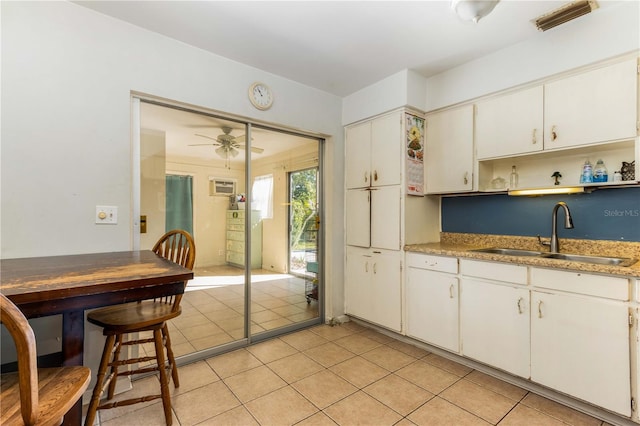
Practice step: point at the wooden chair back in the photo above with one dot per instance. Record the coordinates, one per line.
(25, 342)
(177, 246)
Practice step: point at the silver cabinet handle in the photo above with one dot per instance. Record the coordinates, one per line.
(535, 137)
(554, 133)
(366, 266)
(520, 310)
(540, 309)
(366, 177)
(375, 175)
(375, 269)
(466, 177)
(451, 291)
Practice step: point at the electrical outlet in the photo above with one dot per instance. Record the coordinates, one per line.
(107, 215)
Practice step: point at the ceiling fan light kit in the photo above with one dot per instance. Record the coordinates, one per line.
(564, 14)
(227, 146)
(473, 10)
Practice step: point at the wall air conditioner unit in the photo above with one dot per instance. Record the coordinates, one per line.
(221, 186)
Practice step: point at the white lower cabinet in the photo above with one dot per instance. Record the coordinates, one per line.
(432, 300)
(494, 315)
(568, 331)
(579, 343)
(373, 291)
(494, 322)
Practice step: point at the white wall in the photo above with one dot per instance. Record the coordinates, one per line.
(404, 88)
(67, 77)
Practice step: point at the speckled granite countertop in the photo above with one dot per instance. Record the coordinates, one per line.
(459, 245)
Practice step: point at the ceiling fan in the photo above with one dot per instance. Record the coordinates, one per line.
(227, 145)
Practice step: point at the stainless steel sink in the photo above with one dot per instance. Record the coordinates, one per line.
(508, 251)
(601, 260)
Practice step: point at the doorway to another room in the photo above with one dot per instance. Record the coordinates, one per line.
(255, 194)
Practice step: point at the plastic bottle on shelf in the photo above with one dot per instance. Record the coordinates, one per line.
(600, 173)
(587, 173)
(513, 178)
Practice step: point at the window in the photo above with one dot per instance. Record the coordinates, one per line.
(262, 196)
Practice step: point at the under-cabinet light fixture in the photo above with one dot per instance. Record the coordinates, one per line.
(547, 191)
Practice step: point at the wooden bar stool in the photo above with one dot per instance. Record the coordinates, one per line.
(35, 396)
(149, 315)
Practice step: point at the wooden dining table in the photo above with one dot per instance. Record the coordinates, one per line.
(70, 284)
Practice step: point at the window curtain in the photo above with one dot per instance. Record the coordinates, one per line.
(262, 196)
(179, 203)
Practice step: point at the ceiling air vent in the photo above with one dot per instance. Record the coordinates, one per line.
(564, 14)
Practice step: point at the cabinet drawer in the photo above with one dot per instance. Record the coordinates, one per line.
(237, 258)
(577, 282)
(507, 272)
(237, 246)
(434, 263)
(235, 235)
(235, 214)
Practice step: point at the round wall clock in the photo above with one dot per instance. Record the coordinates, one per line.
(260, 96)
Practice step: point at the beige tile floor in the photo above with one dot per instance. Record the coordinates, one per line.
(344, 375)
(213, 307)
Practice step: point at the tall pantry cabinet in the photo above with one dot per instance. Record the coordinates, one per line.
(377, 209)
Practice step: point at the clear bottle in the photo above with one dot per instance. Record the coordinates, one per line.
(513, 178)
(600, 173)
(587, 173)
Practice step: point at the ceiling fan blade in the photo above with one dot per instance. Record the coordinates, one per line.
(208, 137)
(204, 144)
(253, 149)
(202, 126)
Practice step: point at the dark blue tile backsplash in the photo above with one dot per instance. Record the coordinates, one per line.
(608, 214)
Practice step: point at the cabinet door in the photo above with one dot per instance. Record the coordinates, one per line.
(432, 307)
(510, 124)
(385, 217)
(372, 286)
(358, 155)
(494, 325)
(386, 148)
(386, 302)
(595, 106)
(449, 151)
(580, 346)
(357, 283)
(358, 220)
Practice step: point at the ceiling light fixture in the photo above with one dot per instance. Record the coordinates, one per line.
(564, 14)
(473, 10)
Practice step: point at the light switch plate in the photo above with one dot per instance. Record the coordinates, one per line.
(107, 214)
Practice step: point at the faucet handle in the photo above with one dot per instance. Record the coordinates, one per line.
(542, 243)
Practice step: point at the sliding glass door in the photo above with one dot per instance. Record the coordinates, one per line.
(238, 178)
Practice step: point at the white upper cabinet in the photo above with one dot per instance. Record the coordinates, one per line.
(373, 152)
(510, 124)
(386, 150)
(385, 218)
(595, 106)
(358, 219)
(358, 153)
(449, 151)
(373, 217)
